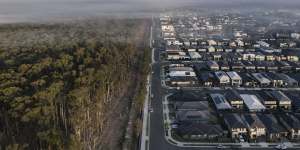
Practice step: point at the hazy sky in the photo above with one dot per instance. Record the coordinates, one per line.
(25, 10)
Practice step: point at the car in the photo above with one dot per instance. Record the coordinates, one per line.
(220, 146)
(241, 139)
(281, 146)
(151, 109)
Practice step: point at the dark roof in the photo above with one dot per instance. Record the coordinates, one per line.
(272, 76)
(289, 121)
(183, 78)
(185, 96)
(295, 97)
(195, 105)
(233, 95)
(192, 128)
(192, 115)
(206, 76)
(271, 123)
(234, 121)
(253, 121)
(247, 77)
(279, 96)
(265, 96)
(223, 64)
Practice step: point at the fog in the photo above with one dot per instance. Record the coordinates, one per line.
(45, 10)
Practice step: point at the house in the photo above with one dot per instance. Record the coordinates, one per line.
(276, 81)
(261, 79)
(177, 56)
(248, 80)
(234, 98)
(220, 102)
(199, 131)
(222, 78)
(260, 56)
(287, 80)
(260, 66)
(190, 105)
(224, 65)
(275, 132)
(219, 49)
(270, 66)
(293, 58)
(255, 127)
(194, 55)
(236, 65)
(291, 123)
(216, 56)
(182, 80)
(268, 101)
(248, 56)
(252, 103)
(269, 57)
(295, 97)
(295, 66)
(283, 101)
(249, 67)
(181, 96)
(235, 78)
(212, 65)
(211, 42)
(211, 49)
(207, 79)
(192, 115)
(284, 66)
(181, 72)
(235, 125)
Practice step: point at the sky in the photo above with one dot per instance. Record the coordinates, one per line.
(26, 10)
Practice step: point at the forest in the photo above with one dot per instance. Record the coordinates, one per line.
(71, 85)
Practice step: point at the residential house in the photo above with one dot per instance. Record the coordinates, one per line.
(235, 78)
(260, 56)
(284, 66)
(276, 81)
(275, 132)
(291, 123)
(216, 56)
(236, 65)
(192, 115)
(224, 65)
(249, 67)
(182, 80)
(248, 56)
(268, 100)
(234, 98)
(190, 105)
(220, 102)
(252, 103)
(248, 80)
(283, 101)
(212, 65)
(207, 79)
(259, 65)
(255, 127)
(222, 78)
(235, 125)
(211, 49)
(261, 79)
(199, 131)
(181, 72)
(194, 55)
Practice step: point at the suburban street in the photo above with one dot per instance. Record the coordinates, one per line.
(154, 132)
